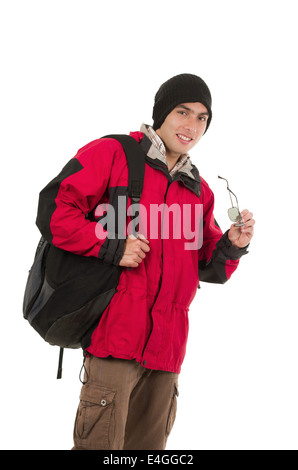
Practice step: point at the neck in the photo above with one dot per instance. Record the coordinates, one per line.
(172, 158)
(171, 161)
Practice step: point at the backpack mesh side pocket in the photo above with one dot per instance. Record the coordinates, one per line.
(35, 278)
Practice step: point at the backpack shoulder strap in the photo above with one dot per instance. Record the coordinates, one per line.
(135, 156)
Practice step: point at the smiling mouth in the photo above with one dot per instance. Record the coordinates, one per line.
(184, 138)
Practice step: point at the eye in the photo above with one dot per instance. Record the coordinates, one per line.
(182, 112)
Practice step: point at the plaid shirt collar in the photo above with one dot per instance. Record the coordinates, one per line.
(158, 150)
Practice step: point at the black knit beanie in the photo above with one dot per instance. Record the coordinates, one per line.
(184, 88)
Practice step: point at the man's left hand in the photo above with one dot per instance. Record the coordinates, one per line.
(241, 236)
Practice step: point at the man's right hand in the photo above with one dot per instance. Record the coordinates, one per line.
(135, 250)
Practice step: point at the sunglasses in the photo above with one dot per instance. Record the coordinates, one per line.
(234, 212)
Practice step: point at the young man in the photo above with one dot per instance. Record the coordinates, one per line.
(130, 396)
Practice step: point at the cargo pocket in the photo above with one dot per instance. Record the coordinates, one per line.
(173, 411)
(93, 424)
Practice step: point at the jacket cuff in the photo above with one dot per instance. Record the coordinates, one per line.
(229, 250)
(112, 250)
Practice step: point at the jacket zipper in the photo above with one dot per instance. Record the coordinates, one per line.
(162, 220)
(165, 197)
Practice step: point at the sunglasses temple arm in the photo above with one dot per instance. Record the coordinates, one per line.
(227, 187)
(230, 192)
(235, 198)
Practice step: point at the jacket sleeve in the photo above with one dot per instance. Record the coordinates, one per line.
(218, 258)
(64, 204)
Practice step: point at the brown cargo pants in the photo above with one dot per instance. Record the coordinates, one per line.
(124, 406)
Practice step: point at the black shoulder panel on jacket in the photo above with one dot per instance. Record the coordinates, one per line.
(47, 204)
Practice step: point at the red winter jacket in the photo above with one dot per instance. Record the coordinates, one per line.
(147, 318)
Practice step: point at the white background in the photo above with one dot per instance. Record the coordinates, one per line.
(73, 71)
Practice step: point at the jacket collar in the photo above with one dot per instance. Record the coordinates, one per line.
(185, 171)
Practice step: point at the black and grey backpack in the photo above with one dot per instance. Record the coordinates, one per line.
(66, 294)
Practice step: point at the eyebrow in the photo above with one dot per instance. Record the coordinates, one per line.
(188, 109)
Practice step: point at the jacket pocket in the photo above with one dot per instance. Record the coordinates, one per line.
(92, 429)
(173, 411)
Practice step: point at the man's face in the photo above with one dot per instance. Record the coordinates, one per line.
(183, 128)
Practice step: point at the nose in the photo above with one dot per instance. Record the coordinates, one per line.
(192, 124)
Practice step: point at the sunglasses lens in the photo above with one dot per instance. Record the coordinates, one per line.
(234, 214)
